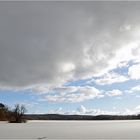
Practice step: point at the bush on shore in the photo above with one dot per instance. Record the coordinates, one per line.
(15, 115)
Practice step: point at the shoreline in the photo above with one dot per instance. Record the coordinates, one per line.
(28, 121)
(74, 121)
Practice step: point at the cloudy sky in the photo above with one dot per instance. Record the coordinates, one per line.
(71, 57)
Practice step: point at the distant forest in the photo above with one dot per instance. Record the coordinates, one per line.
(80, 117)
(18, 115)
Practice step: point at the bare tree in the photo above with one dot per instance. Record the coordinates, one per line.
(18, 113)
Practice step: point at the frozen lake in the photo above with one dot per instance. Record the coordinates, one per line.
(71, 130)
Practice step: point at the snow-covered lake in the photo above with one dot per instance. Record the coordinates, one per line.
(71, 130)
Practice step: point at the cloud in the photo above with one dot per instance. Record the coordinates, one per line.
(123, 64)
(40, 89)
(86, 111)
(123, 60)
(72, 94)
(133, 90)
(137, 108)
(114, 92)
(82, 110)
(134, 111)
(134, 71)
(56, 111)
(111, 78)
(136, 88)
(52, 43)
(126, 27)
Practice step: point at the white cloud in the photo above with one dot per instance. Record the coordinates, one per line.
(85, 111)
(137, 108)
(41, 89)
(82, 110)
(67, 67)
(114, 92)
(134, 89)
(134, 71)
(73, 94)
(111, 78)
(134, 111)
(121, 59)
(56, 111)
(123, 64)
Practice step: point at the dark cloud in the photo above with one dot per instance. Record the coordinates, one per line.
(38, 40)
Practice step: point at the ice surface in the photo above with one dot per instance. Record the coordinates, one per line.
(34, 130)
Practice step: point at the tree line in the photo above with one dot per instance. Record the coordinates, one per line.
(17, 115)
(80, 117)
(12, 115)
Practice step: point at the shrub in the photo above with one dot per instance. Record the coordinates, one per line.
(17, 114)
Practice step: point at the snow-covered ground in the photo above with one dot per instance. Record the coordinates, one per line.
(71, 130)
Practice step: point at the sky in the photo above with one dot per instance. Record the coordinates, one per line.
(70, 57)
